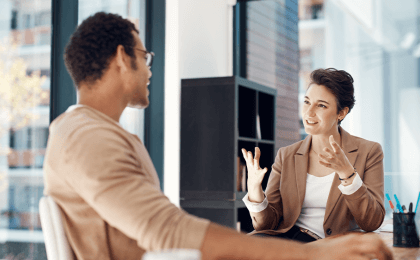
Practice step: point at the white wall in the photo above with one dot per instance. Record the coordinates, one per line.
(199, 43)
(205, 38)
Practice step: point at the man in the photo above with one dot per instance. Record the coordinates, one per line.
(102, 178)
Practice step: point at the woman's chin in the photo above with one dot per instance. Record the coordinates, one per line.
(310, 130)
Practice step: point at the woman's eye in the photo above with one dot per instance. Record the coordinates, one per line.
(306, 102)
(321, 105)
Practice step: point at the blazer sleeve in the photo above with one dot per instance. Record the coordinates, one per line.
(367, 203)
(270, 217)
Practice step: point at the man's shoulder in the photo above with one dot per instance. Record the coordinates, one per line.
(82, 125)
(74, 121)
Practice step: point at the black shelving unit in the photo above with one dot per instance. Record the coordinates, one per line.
(218, 118)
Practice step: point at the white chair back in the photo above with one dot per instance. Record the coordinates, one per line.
(56, 243)
(173, 254)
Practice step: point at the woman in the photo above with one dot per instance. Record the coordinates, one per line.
(326, 184)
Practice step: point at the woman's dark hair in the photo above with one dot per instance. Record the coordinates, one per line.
(339, 82)
(87, 54)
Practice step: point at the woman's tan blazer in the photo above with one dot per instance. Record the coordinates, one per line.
(287, 185)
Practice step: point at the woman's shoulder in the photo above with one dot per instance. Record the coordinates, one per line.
(366, 145)
(291, 149)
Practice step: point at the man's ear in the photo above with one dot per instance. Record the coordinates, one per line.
(121, 58)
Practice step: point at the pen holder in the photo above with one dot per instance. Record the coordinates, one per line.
(405, 234)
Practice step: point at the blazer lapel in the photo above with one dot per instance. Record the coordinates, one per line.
(301, 168)
(351, 150)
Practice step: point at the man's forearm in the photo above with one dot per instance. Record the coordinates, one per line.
(224, 243)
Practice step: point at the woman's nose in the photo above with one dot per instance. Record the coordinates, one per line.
(310, 112)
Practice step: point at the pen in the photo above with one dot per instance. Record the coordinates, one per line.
(390, 202)
(404, 209)
(398, 204)
(417, 203)
(410, 208)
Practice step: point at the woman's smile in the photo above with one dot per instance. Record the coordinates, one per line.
(311, 122)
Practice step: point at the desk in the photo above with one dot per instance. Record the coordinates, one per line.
(400, 253)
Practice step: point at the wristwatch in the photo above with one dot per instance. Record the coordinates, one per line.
(354, 172)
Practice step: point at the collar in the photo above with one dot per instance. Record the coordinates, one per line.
(349, 144)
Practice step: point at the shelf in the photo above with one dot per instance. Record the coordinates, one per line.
(247, 112)
(207, 195)
(219, 117)
(240, 194)
(247, 139)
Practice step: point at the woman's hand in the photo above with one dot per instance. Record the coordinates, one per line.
(255, 173)
(336, 160)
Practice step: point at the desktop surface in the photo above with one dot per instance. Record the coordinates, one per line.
(400, 253)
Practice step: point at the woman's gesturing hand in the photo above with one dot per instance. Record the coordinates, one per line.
(255, 173)
(336, 160)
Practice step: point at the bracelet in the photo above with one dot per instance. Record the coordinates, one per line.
(347, 177)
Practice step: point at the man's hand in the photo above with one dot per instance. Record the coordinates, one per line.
(352, 247)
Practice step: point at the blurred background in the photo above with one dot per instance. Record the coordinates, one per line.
(281, 42)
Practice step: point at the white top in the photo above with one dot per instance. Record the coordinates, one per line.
(314, 204)
(313, 209)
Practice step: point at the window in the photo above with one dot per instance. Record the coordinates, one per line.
(132, 119)
(24, 135)
(43, 18)
(13, 22)
(44, 38)
(385, 71)
(27, 21)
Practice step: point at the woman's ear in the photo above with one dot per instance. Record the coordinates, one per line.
(343, 113)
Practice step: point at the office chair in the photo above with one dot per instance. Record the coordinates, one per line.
(56, 243)
(58, 247)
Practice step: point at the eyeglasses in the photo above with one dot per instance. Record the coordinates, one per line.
(149, 56)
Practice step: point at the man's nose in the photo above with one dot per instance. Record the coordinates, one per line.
(150, 73)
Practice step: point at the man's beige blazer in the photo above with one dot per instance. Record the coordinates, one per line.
(287, 184)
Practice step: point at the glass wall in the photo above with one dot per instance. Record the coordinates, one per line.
(25, 54)
(378, 43)
(132, 119)
(25, 43)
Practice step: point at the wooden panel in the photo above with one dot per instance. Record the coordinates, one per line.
(272, 59)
